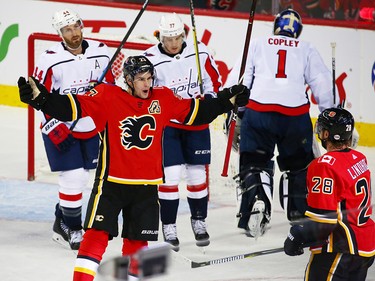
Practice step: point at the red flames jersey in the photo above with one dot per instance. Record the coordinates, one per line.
(132, 129)
(339, 192)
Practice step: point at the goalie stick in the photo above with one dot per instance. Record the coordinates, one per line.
(123, 41)
(232, 125)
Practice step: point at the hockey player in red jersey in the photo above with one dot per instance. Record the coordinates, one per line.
(338, 223)
(71, 147)
(131, 125)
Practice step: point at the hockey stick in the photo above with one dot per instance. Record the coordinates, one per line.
(123, 41)
(196, 47)
(232, 125)
(195, 264)
(333, 46)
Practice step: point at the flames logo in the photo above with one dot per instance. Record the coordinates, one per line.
(132, 128)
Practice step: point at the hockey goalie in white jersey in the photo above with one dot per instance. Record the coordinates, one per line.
(186, 147)
(278, 69)
(72, 148)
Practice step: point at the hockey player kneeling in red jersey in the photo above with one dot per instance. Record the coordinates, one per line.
(131, 124)
(339, 208)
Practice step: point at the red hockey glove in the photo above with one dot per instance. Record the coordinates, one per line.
(59, 134)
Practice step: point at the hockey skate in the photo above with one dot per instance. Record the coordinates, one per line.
(170, 236)
(65, 236)
(258, 220)
(201, 236)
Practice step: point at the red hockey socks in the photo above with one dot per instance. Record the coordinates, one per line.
(90, 254)
(129, 248)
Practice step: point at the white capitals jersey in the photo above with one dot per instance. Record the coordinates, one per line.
(277, 71)
(180, 73)
(63, 72)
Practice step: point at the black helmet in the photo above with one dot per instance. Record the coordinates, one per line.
(288, 23)
(338, 122)
(137, 64)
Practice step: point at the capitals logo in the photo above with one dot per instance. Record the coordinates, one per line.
(137, 132)
(373, 76)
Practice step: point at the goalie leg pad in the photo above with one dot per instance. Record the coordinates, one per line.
(293, 192)
(256, 184)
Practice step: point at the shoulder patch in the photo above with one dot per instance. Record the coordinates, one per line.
(327, 159)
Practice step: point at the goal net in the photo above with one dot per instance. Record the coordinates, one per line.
(37, 161)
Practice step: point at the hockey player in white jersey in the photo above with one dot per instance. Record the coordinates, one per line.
(278, 67)
(72, 149)
(186, 147)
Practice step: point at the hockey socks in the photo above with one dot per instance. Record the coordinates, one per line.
(130, 248)
(90, 254)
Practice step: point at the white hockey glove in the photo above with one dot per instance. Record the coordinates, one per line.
(355, 139)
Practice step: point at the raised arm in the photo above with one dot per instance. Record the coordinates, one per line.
(61, 107)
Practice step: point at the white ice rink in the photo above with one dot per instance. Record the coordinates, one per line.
(27, 252)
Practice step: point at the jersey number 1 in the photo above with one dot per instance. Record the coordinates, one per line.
(281, 64)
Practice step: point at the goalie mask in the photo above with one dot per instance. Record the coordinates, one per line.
(288, 23)
(64, 18)
(338, 122)
(170, 25)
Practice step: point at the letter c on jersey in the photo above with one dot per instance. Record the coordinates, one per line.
(132, 130)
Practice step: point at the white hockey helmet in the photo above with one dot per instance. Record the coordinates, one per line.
(64, 18)
(170, 25)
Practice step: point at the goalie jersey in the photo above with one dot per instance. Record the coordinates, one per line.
(180, 73)
(339, 193)
(63, 72)
(277, 71)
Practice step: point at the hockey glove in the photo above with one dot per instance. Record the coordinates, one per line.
(293, 245)
(32, 92)
(59, 134)
(237, 94)
(242, 94)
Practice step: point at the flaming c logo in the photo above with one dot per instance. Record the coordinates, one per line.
(133, 128)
